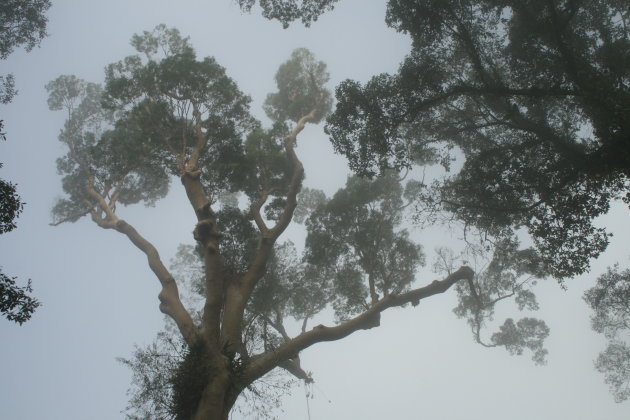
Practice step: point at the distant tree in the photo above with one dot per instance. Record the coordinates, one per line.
(22, 23)
(610, 300)
(164, 113)
(535, 93)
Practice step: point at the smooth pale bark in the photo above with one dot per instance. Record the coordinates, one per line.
(264, 363)
(226, 298)
(238, 293)
(170, 303)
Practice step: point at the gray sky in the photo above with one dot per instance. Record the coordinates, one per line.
(100, 298)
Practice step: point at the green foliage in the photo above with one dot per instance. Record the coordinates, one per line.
(112, 155)
(153, 370)
(532, 94)
(614, 363)
(131, 137)
(267, 167)
(510, 273)
(189, 380)
(167, 367)
(527, 333)
(239, 239)
(7, 88)
(301, 89)
(356, 238)
(10, 206)
(274, 294)
(308, 200)
(610, 301)
(175, 91)
(23, 23)
(15, 303)
(287, 11)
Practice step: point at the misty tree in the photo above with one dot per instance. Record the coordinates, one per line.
(164, 114)
(610, 301)
(535, 94)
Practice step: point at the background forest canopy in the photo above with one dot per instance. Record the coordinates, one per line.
(530, 93)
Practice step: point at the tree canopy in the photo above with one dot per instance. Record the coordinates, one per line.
(165, 113)
(535, 94)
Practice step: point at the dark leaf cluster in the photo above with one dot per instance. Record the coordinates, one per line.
(15, 303)
(533, 96)
(10, 206)
(287, 11)
(356, 237)
(22, 22)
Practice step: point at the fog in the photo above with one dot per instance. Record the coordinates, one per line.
(99, 298)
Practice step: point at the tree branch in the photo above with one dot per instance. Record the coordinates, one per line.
(263, 363)
(293, 367)
(170, 303)
(239, 294)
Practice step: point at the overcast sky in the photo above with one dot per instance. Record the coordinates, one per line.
(100, 298)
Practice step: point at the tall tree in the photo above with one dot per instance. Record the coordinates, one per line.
(164, 113)
(535, 94)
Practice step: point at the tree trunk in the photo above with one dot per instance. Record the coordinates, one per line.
(217, 399)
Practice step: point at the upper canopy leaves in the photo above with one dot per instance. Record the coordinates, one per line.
(356, 238)
(109, 157)
(300, 82)
(160, 114)
(532, 94)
